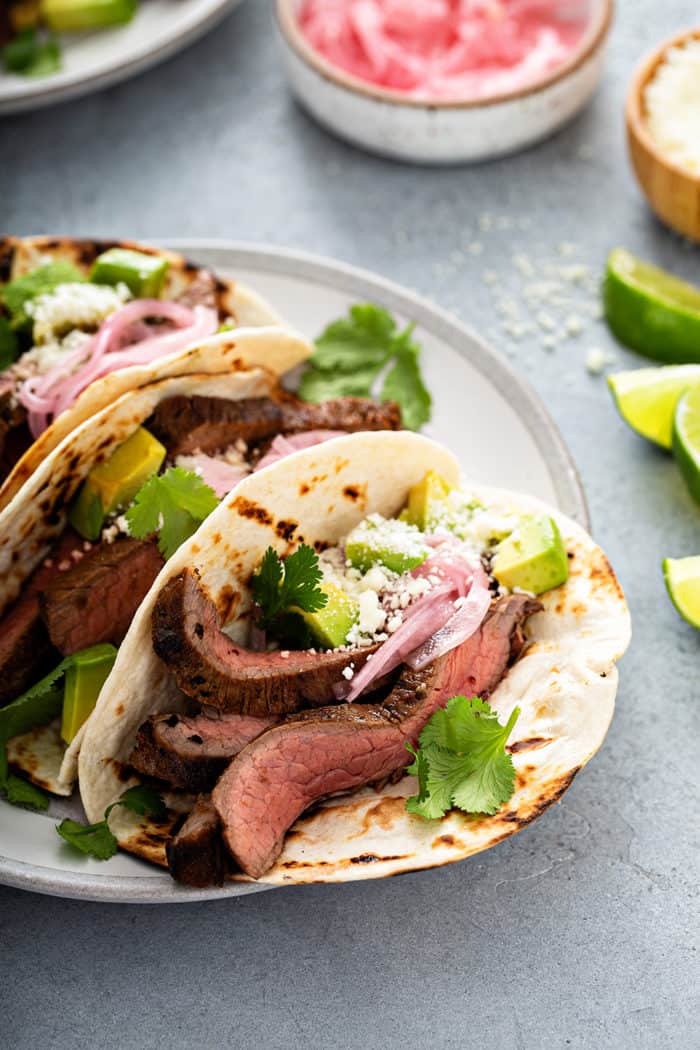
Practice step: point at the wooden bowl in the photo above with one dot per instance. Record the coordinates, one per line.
(672, 191)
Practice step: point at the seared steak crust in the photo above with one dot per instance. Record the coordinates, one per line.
(26, 652)
(210, 668)
(196, 855)
(191, 753)
(291, 766)
(207, 424)
(95, 600)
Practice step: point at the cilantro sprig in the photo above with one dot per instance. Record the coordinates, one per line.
(97, 840)
(37, 706)
(354, 352)
(174, 505)
(283, 586)
(32, 53)
(462, 761)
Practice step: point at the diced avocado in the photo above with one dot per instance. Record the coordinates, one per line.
(331, 624)
(74, 16)
(112, 485)
(144, 275)
(533, 558)
(423, 497)
(16, 294)
(84, 680)
(394, 543)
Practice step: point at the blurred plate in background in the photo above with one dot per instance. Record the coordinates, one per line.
(95, 60)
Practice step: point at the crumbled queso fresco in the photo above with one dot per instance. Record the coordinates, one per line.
(69, 306)
(382, 596)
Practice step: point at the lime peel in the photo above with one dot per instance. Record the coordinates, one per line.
(682, 576)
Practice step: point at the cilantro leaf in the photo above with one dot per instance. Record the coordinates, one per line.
(142, 800)
(279, 586)
(351, 355)
(364, 337)
(404, 383)
(9, 344)
(20, 792)
(462, 760)
(97, 840)
(174, 505)
(32, 54)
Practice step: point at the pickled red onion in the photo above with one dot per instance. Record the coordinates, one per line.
(285, 444)
(45, 397)
(434, 624)
(445, 49)
(216, 473)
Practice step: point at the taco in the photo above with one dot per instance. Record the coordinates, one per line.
(327, 616)
(84, 321)
(82, 543)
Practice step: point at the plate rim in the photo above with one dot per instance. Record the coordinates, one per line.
(354, 280)
(76, 86)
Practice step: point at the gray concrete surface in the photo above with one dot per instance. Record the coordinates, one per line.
(580, 931)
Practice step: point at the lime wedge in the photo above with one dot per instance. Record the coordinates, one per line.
(686, 439)
(646, 398)
(650, 310)
(682, 576)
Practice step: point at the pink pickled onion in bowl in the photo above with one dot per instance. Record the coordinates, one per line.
(445, 49)
(285, 444)
(45, 397)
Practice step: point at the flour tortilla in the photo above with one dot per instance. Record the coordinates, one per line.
(37, 515)
(565, 683)
(245, 307)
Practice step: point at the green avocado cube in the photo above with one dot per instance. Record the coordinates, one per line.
(75, 16)
(533, 558)
(84, 680)
(17, 293)
(144, 275)
(112, 485)
(391, 542)
(423, 499)
(330, 625)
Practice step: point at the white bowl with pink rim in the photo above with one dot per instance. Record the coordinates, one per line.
(453, 130)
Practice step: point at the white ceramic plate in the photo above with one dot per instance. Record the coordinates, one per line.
(483, 410)
(92, 61)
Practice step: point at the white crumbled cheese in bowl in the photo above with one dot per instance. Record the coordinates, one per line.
(79, 305)
(672, 100)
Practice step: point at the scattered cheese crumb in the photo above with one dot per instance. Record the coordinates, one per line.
(597, 361)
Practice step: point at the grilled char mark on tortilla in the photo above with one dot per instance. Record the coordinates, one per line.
(210, 668)
(26, 652)
(292, 766)
(191, 752)
(196, 855)
(96, 599)
(207, 424)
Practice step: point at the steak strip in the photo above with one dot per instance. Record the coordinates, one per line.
(26, 652)
(95, 600)
(196, 856)
(191, 753)
(208, 424)
(210, 668)
(292, 766)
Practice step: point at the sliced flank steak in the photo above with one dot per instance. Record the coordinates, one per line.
(196, 854)
(208, 424)
(191, 752)
(340, 748)
(26, 652)
(210, 668)
(96, 599)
